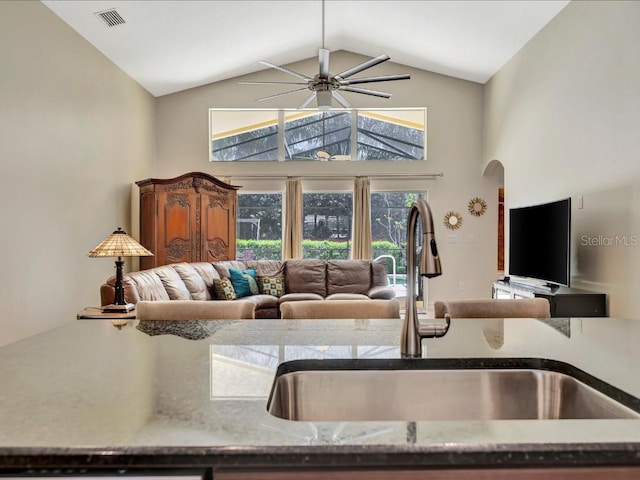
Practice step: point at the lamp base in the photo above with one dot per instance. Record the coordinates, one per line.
(113, 308)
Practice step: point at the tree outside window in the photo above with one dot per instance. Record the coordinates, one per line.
(389, 212)
(259, 226)
(326, 230)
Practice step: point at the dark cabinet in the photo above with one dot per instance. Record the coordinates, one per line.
(563, 301)
(190, 218)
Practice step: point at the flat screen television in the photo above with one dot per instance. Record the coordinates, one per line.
(540, 242)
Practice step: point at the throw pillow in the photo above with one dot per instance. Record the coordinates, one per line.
(272, 285)
(244, 282)
(223, 289)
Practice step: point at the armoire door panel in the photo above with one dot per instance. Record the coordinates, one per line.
(178, 209)
(218, 220)
(176, 226)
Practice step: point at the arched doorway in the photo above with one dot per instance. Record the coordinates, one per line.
(495, 169)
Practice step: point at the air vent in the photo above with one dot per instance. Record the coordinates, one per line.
(111, 17)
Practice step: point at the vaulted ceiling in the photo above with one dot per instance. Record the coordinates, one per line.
(168, 46)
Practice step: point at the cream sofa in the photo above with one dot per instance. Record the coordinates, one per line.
(304, 279)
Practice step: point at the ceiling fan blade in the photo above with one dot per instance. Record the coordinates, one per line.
(363, 66)
(323, 61)
(285, 70)
(373, 93)
(383, 78)
(307, 100)
(272, 83)
(340, 99)
(279, 94)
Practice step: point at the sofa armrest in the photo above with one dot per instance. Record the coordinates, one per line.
(382, 293)
(194, 310)
(108, 291)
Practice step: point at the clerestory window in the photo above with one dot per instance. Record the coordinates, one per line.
(303, 135)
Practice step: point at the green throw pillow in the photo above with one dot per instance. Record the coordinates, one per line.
(244, 282)
(272, 285)
(223, 289)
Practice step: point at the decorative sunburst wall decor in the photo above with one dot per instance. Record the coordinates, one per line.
(453, 220)
(477, 206)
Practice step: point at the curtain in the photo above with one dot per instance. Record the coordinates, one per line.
(292, 244)
(361, 246)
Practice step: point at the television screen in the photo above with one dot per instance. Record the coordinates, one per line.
(539, 242)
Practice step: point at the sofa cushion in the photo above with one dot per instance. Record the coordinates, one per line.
(173, 284)
(208, 274)
(266, 267)
(347, 296)
(192, 280)
(271, 285)
(382, 293)
(306, 276)
(296, 297)
(223, 267)
(223, 289)
(147, 285)
(244, 282)
(379, 276)
(348, 276)
(262, 301)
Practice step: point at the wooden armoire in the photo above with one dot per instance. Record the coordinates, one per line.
(190, 218)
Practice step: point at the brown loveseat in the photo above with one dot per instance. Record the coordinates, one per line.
(304, 279)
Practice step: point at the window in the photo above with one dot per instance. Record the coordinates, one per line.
(389, 212)
(259, 226)
(326, 225)
(243, 135)
(391, 135)
(307, 134)
(302, 135)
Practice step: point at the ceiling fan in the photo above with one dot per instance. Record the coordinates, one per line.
(324, 86)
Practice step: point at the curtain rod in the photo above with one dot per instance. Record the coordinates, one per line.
(338, 176)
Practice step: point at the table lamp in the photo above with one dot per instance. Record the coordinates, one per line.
(119, 244)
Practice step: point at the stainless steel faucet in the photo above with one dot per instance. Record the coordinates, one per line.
(412, 331)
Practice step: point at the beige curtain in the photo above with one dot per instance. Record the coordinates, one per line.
(361, 246)
(292, 244)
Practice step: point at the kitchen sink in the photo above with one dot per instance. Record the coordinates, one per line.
(443, 389)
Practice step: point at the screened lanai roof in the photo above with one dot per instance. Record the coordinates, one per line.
(379, 135)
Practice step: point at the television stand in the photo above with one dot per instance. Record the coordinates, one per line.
(547, 287)
(563, 301)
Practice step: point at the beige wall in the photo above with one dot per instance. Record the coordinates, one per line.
(454, 111)
(562, 116)
(75, 132)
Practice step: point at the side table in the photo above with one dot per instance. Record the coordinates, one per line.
(118, 320)
(96, 313)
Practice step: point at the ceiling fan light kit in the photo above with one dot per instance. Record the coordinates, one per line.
(324, 87)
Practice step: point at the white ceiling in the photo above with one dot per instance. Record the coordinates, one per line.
(169, 46)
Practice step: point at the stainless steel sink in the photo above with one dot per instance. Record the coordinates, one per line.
(415, 390)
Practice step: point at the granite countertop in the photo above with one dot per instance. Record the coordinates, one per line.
(193, 395)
